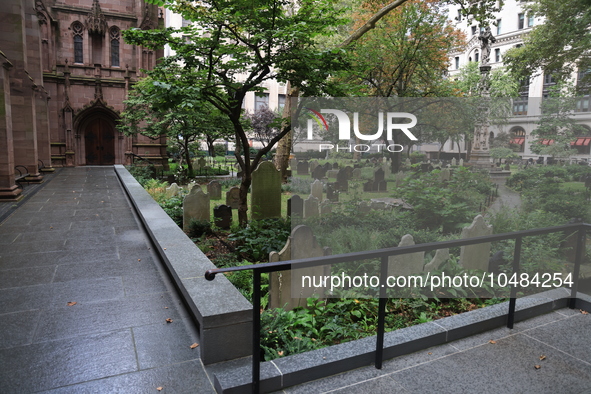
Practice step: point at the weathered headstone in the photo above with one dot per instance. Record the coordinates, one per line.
(475, 257)
(325, 207)
(335, 166)
(201, 163)
(406, 264)
(444, 175)
(407, 162)
(356, 174)
(222, 215)
(461, 162)
(319, 172)
(172, 190)
(303, 168)
(440, 256)
(293, 163)
(311, 207)
(233, 197)
(266, 192)
(295, 206)
(313, 165)
(399, 177)
(364, 207)
(214, 189)
(195, 207)
(316, 189)
(453, 162)
(349, 172)
(285, 287)
(332, 173)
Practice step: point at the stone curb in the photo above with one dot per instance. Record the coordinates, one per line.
(223, 315)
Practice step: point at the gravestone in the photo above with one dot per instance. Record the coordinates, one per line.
(326, 167)
(342, 180)
(476, 256)
(444, 175)
(293, 163)
(332, 192)
(302, 168)
(332, 173)
(406, 264)
(325, 207)
(195, 207)
(399, 177)
(311, 207)
(453, 162)
(316, 189)
(461, 162)
(172, 190)
(191, 185)
(285, 287)
(201, 163)
(356, 174)
(214, 189)
(222, 216)
(319, 172)
(335, 166)
(507, 167)
(295, 206)
(441, 255)
(364, 207)
(378, 184)
(265, 199)
(407, 162)
(349, 172)
(233, 197)
(313, 165)
(378, 205)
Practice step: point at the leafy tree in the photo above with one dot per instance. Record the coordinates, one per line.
(264, 123)
(165, 103)
(557, 45)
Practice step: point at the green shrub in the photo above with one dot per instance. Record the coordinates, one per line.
(197, 228)
(174, 208)
(261, 237)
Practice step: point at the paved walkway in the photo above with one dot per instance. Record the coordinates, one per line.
(84, 301)
(558, 343)
(507, 199)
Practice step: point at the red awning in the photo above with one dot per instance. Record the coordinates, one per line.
(547, 142)
(518, 141)
(582, 141)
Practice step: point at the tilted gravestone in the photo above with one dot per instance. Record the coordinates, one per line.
(295, 206)
(303, 168)
(172, 191)
(311, 207)
(319, 172)
(316, 189)
(195, 207)
(461, 162)
(364, 207)
(313, 165)
(214, 189)
(342, 180)
(222, 215)
(285, 287)
(233, 197)
(266, 192)
(475, 257)
(349, 172)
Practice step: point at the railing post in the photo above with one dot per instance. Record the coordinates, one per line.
(512, 300)
(381, 313)
(256, 331)
(581, 234)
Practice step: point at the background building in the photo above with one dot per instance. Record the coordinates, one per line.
(66, 71)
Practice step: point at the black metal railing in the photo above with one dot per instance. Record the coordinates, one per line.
(383, 254)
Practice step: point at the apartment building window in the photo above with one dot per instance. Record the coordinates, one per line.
(498, 27)
(520, 21)
(497, 55)
(583, 88)
(473, 30)
(530, 20)
(520, 103)
(281, 101)
(476, 56)
(457, 62)
(261, 100)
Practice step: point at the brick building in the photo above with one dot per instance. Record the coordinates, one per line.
(66, 71)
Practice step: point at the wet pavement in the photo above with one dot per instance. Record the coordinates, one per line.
(84, 302)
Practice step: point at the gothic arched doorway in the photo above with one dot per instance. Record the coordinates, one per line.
(99, 142)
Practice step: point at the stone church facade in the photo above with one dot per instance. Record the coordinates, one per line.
(65, 73)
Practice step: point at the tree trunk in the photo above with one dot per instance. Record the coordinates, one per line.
(188, 159)
(284, 147)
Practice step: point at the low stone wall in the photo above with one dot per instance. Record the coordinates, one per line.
(223, 315)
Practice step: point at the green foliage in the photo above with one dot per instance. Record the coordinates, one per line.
(142, 174)
(261, 237)
(198, 228)
(219, 149)
(174, 208)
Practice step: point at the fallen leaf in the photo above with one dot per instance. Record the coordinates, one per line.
(169, 320)
(193, 346)
(492, 341)
(139, 259)
(159, 388)
(542, 357)
(72, 303)
(584, 312)
(429, 353)
(165, 307)
(280, 352)
(537, 366)
(164, 248)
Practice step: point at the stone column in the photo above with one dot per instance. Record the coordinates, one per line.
(8, 189)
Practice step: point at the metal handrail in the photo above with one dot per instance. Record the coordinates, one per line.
(383, 255)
